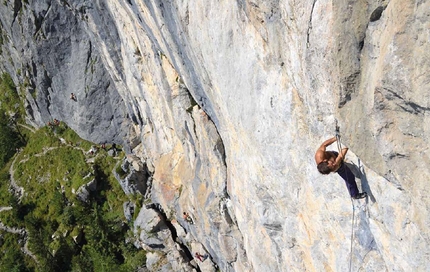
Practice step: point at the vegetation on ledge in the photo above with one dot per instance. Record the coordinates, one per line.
(61, 206)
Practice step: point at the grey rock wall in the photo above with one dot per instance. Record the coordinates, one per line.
(225, 103)
(49, 52)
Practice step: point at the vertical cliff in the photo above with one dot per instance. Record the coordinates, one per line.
(223, 104)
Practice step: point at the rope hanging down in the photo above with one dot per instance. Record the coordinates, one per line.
(352, 236)
(339, 147)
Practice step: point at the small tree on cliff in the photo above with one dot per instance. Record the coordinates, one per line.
(11, 110)
(9, 140)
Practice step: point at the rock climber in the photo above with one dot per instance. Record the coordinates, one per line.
(201, 257)
(187, 218)
(73, 96)
(332, 161)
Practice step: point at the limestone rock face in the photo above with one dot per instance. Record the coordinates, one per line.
(155, 236)
(135, 180)
(226, 102)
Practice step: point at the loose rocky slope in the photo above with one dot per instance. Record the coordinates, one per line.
(225, 103)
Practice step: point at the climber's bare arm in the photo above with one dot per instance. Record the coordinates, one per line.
(319, 155)
(341, 157)
(327, 143)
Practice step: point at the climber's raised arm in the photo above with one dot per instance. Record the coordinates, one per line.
(341, 157)
(320, 154)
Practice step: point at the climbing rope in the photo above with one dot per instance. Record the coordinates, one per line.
(352, 236)
(339, 147)
(337, 131)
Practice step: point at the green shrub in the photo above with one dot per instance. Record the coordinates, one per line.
(51, 213)
(10, 101)
(12, 258)
(122, 174)
(9, 140)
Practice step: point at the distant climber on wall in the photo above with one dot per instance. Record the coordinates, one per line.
(201, 257)
(187, 218)
(332, 161)
(73, 97)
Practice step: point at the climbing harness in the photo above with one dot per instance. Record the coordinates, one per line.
(339, 147)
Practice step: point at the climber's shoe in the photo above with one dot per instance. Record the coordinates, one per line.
(360, 195)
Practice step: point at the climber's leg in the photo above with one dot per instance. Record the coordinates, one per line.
(349, 178)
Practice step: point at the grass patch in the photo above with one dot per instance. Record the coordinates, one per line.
(13, 259)
(9, 97)
(72, 137)
(53, 164)
(50, 170)
(122, 174)
(11, 112)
